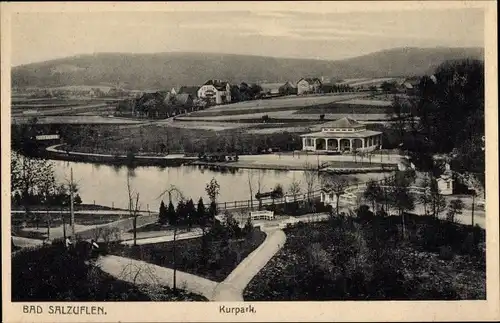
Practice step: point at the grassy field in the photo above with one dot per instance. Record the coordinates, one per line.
(367, 259)
(224, 257)
(278, 104)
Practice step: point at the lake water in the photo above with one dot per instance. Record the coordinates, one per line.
(107, 185)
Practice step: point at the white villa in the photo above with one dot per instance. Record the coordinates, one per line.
(217, 91)
(342, 135)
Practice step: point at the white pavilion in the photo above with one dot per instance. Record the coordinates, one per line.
(342, 135)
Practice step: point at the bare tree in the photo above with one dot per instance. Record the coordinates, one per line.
(294, 189)
(250, 175)
(337, 184)
(133, 207)
(174, 223)
(311, 178)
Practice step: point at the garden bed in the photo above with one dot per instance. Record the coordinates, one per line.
(223, 256)
(50, 273)
(355, 259)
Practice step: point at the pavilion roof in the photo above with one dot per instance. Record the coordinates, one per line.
(345, 122)
(357, 134)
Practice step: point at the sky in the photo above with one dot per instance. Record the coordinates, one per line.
(318, 30)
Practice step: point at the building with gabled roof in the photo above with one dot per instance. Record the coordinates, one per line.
(215, 91)
(308, 85)
(342, 135)
(193, 90)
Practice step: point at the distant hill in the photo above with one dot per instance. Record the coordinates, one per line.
(165, 70)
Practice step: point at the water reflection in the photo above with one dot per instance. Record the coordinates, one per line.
(107, 184)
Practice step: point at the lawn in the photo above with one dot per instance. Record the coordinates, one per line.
(50, 273)
(56, 219)
(367, 259)
(344, 107)
(223, 256)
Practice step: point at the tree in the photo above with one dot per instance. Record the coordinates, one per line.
(171, 215)
(200, 212)
(454, 92)
(277, 192)
(133, 207)
(213, 190)
(388, 87)
(401, 199)
(173, 219)
(202, 220)
(181, 213)
(162, 214)
(78, 199)
(373, 193)
(311, 179)
(248, 228)
(190, 213)
(437, 201)
(455, 207)
(28, 175)
(294, 189)
(337, 184)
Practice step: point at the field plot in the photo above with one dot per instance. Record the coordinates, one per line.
(288, 103)
(208, 125)
(288, 116)
(369, 81)
(77, 119)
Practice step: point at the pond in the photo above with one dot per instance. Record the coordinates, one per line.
(107, 185)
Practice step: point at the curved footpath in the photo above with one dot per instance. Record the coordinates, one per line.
(141, 272)
(231, 289)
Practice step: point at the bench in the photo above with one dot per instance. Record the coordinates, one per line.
(262, 215)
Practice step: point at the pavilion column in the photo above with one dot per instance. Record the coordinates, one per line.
(338, 144)
(304, 143)
(314, 143)
(350, 144)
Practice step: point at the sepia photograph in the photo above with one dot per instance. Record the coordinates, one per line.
(234, 153)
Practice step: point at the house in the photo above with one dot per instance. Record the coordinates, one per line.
(308, 86)
(342, 135)
(288, 88)
(328, 197)
(445, 181)
(192, 90)
(215, 91)
(410, 85)
(270, 89)
(184, 101)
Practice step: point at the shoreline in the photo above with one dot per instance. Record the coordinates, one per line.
(176, 160)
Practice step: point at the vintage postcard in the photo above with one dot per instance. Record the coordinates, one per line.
(249, 161)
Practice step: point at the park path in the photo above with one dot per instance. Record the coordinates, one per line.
(141, 272)
(231, 289)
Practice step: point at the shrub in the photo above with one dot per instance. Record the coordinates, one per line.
(446, 253)
(363, 213)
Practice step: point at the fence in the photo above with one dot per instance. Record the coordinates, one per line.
(255, 203)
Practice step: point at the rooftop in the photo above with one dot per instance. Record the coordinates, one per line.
(218, 84)
(345, 122)
(358, 134)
